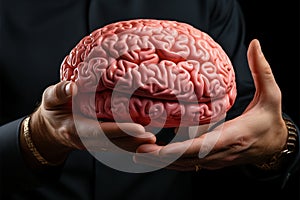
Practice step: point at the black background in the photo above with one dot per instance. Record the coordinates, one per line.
(276, 24)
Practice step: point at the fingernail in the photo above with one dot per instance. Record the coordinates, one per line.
(68, 89)
(258, 48)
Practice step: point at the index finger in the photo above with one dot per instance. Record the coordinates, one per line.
(91, 128)
(115, 130)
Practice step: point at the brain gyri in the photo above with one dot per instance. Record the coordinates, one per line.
(158, 72)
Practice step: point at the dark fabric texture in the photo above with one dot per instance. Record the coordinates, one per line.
(35, 36)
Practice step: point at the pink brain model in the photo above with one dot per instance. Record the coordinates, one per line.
(159, 72)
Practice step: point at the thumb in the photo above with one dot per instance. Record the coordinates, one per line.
(266, 86)
(59, 94)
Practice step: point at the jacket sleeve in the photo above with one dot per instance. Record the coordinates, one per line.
(228, 28)
(14, 173)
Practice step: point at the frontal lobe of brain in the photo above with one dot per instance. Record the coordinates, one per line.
(153, 72)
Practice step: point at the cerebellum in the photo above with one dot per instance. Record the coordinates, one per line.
(162, 72)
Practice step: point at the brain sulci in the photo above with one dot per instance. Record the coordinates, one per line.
(159, 72)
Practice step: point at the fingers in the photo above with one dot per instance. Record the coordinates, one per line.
(59, 94)
(110, 135)
(261, 71)
(117, 130)
(215, 149)
(133, 132)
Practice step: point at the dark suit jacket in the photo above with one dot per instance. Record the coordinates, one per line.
(35, 36)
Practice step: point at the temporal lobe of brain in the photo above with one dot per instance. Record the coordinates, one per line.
(167, 72)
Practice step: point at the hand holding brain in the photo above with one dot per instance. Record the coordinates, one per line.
(162, 72)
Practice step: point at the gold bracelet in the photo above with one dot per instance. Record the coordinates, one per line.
(30, 145)
(277, 160)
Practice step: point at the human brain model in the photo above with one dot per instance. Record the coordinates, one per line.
(153, 72)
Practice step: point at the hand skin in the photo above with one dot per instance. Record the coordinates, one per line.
(251, 138)
(54, 134)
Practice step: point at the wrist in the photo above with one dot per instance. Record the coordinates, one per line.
(38, 147)
(282, 157)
